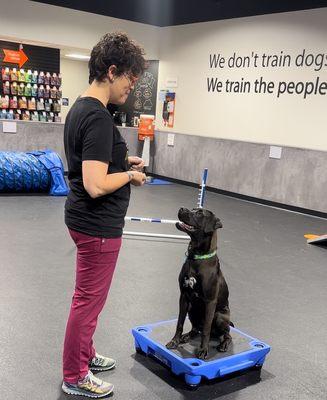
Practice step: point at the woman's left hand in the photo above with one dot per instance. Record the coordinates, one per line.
(136, 163)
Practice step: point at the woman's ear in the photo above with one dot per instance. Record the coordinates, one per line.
(112, 73)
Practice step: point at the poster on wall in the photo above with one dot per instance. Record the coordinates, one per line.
(168, 107)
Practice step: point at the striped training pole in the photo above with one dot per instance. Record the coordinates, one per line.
(168, 221)
(203, 188)
(156, 235)
(155, 220)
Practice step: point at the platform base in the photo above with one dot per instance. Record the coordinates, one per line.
(244, 352)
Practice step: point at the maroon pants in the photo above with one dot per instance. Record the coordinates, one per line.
(95, 265)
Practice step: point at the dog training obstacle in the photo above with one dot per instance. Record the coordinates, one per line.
(203, 188)
(156, 235)
(245, 352)
(35, 171)
(168, 221)
(154, 220)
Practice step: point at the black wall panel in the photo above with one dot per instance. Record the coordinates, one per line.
(143, 99)
(177, 12)
(40, 58)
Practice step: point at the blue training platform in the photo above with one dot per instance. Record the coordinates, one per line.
(245, 352)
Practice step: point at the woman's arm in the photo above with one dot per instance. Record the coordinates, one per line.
(96, 180)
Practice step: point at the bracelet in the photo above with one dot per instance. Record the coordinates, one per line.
(130, 175)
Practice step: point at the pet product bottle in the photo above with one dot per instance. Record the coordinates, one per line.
(13, 75)
(34, 77)
(40, 79)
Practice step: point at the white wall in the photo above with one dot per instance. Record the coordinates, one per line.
(65, 28)
(70, 31)
(184, 51)
(264, 118)
(75, 77)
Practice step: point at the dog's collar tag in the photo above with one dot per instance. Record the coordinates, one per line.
(189, 282)
(204, 256)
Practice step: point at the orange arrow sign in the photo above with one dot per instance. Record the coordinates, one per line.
(15, 57)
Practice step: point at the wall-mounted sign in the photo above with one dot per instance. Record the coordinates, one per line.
(15, 57)
(171, 83)
(9, 127)
(38, 58)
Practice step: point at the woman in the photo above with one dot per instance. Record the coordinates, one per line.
(100, 173)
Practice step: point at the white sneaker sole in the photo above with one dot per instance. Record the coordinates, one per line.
(102, 368)
(81, 392)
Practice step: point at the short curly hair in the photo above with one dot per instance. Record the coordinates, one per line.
(116, 49)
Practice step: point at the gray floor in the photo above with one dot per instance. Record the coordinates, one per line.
(277, 284)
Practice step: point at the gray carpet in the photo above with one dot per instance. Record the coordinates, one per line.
(277, 293)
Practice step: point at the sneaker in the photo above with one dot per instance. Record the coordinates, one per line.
(101, 363)
(90, 386)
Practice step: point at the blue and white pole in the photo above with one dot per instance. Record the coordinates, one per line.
(168, 221)
(156, 235)
(203, 188)
(155, 220)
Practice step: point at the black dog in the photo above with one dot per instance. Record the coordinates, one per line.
(204, 292)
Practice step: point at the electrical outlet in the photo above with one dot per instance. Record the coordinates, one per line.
(171, 139)
(275, 152)
(9, 127)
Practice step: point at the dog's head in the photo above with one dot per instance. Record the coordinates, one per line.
(197, 221)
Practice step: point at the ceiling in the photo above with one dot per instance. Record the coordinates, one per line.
(178, 12)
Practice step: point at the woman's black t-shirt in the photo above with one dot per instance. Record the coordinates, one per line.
(90, 134)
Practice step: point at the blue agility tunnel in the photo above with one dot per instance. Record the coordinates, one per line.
(39, 171)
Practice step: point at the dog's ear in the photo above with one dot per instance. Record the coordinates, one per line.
(215, 224)
(218, 223)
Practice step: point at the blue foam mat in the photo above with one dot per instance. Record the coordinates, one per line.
(157, 181)
(244, 353)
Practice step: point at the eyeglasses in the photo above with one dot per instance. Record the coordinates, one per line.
(131, 80)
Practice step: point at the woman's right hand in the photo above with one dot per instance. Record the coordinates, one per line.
(138, 178)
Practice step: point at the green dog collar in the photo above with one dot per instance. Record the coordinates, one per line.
(204, 256)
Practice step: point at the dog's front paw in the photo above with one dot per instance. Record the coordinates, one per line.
(186, 337)
(202, 353)
(173, 344)
(223, 346)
